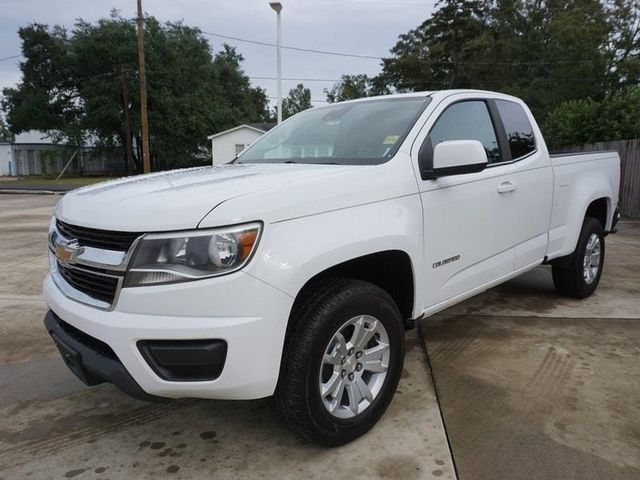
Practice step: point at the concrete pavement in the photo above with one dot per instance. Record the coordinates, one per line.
(531, 386)
(52, 426)
(536, 386)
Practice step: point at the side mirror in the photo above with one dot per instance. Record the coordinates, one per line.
(456, 157)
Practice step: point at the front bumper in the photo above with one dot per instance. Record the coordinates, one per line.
(91, 360)
(246, 313)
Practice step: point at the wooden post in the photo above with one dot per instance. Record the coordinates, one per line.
(127, 121)
(67, 165)
(146, 163)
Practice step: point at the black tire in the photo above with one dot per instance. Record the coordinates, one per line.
(568, 272)
(321, 311)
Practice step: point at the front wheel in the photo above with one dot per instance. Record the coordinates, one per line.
(578, 275)
(342, 361)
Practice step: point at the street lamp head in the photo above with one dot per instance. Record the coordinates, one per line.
(277, 6)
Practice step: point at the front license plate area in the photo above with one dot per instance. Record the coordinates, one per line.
(73, 360)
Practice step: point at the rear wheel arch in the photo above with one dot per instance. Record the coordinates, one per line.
(599, 209)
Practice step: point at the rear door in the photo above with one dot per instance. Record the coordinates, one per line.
(533, 176)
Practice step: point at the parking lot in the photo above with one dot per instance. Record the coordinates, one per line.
(530, 385)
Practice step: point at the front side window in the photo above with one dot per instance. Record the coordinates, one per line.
(518, 128)
(239, 148)
(358, 133)
(469, 120)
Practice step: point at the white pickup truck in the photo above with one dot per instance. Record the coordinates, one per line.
(294, 271)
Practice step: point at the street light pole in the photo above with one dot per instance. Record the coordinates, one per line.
(277, 6)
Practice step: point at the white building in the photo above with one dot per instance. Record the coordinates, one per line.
(20, 155)
(225, 146)
(34, 153)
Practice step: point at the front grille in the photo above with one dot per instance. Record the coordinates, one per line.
(93, 283)
(104, 239)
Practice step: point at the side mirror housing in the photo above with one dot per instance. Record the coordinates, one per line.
(457, 157)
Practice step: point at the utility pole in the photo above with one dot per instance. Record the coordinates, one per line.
(127, 121)
(277, 6)
(144, 124)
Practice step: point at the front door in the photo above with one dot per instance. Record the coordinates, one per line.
(469, 220)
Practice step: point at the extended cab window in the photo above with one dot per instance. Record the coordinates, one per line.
(519, 132)
(469, 120)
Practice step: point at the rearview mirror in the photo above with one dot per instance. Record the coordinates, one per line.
(456, 157)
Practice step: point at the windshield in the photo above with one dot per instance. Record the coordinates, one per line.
(358, 133)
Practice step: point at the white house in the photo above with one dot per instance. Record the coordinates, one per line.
(225, 146)
(34, 153)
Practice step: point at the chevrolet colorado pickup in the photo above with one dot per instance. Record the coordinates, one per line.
(294, 271)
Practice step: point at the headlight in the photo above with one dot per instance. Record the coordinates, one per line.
(183, 256)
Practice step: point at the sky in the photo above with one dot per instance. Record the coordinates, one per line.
(362, 27)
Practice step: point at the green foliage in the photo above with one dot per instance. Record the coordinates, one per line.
(5, 133)
(299, 99)
(355, 86)
(544, 52)
(73, 84)
(615, 117)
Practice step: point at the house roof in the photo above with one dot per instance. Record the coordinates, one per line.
(264, 126)
(33, 137)
(258, 127)
(37, 137)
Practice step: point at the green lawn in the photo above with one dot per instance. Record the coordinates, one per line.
(71, 181)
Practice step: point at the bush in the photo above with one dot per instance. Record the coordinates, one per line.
(616, 117)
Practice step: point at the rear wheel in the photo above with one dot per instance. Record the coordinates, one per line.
(578, 275)
(342, 361)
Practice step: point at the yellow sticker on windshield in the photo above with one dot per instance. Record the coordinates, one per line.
(390, 139)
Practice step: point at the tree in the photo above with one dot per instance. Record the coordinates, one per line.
(544, 52)
(299, 99)
(73, 84)
(5, 134)
(354, 86)
(434, 54)
(616, 117)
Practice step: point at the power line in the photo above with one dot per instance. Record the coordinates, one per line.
(372, 57)
(10, 57)
(367, 2)
(298, 49)
(298, 79)
(315, 100)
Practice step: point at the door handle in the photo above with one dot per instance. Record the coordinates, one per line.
(506, 187)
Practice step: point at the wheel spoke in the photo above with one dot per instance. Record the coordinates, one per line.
(365, 391)
(337, 398)
(358, 331)
(367, 335)
(341, 346)
(332, 385)
(332, 358)
(372, 360)
(355, 397)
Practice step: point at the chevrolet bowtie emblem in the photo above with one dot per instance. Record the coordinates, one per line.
(68, 252)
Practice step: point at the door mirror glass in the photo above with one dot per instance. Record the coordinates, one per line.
(456, 157)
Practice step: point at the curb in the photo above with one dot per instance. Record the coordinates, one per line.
(31, 192)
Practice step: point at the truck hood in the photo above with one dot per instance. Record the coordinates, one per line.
(178, 199)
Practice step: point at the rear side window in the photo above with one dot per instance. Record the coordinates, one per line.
(469, 120)
(519, 131)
